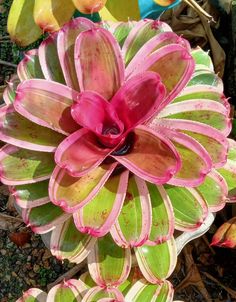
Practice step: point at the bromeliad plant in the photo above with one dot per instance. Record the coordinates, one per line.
(116, 135)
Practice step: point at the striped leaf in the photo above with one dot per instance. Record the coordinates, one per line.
(157, 262)
(133, 225)
(68, 243)
(109, 264)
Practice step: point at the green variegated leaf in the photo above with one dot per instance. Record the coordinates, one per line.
(68, 291)
(133, 225)
(202, 92)
(97, 216)
(33, 295)
(72, 193)
(108, 263)
(49, 60)
(68, 243)
(142, 291)
(17, 130)
(205, 77)
(134, 276)
(96, 294)
(29, 67)
(157, 262)
(31, 195)
(228, 171)
(202, 59)
(214, 191)
(21, 166)
(122, 30)
(190, 209)
(88, 282)
(44, 218)
(162, 215)
(139, 35)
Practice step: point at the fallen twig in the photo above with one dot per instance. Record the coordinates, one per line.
(7, 64)
(229, 290)
(9, 223)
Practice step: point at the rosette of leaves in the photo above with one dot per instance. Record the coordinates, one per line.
(116, 136)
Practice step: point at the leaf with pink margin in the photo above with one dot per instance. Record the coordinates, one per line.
(65, 47)
(21, 166)
(162, 61)
(142, 291)
(97, 217)
(203, 111)
(201, 91)
(68, 243)
(190, 209)
(157, 262)
(133, 225)
(152, 157)
(155, 43)
(9, 93)
(33, 294)
(138, 99)
(202, 59)
(98, 60)
(121, 30)
(205, 77)
(29, 67)
(134, 275)
(72, 193)
(67, 291)
(31, 195)
(47, 103)
(87, 281)
(228, 171)
(96, 293)
(96, 114)
(49, 61)
(108, 264)
(44, 218)
(90, 154)
(212, 140)
(214, 190)
(189, 151)
(141, 33)
(162, 215)
(21, 132)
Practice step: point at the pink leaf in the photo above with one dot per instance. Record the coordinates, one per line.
(79, 153)
(99, 63)
(152, 157)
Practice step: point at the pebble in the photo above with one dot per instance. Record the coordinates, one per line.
(36, 268)
(3, 252)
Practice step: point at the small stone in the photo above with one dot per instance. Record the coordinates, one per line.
(3, 252)
(35, 243)
(14, 274)
(32, 282)
(36, 268)
(46, 264)
(46, 255)
(8, 277)
(32, 274)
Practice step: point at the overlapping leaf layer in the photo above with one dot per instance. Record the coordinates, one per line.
(116, 134)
